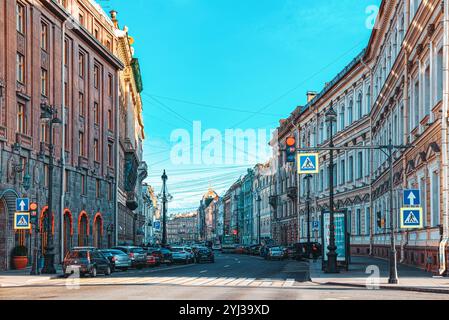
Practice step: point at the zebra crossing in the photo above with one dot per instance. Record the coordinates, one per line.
(175, 281)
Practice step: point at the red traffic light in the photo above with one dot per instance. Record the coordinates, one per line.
(291, 142)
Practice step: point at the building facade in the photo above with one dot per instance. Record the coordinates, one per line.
(183, 228)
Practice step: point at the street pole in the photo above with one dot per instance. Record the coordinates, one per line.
(259, 199)
(307, 178)
(332, 254)
(393, 279)
(49, 114)
(164, 209)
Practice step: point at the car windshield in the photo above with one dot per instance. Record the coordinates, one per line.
(177, 249)
(137, 250)
(77, 255)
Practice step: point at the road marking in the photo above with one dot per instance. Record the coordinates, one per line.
(202, 281)
(204, 271)
(226, 266)
(245, 282)
(266, 284)
(289, 283)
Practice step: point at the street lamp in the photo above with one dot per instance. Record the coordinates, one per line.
(49, 115)
(331, 117)
(307, 179)
(258, 199)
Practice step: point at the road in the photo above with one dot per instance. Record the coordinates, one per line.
(231, 277)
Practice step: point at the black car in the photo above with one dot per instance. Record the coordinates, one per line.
(86, 261)
(204, 254)
(167, 256)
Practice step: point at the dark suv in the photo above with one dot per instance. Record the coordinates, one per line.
(137, 255)
(87, 261)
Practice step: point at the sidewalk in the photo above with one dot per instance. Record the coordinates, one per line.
(410, 279)
(14, 278)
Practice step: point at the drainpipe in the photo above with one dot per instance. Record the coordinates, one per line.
(117, 155)
(444, 141)
(63, 162)
(371, 159)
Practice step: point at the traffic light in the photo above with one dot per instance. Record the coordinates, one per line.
(290, 149)
(379, 219)
(33, 213)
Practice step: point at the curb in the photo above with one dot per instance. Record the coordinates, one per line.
(399, 288)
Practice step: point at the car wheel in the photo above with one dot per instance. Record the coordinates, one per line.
(108, 271)
(93, 272)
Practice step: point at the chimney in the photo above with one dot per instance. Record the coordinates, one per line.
(113, 14)
(310, 95)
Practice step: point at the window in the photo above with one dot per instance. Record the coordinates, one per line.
(46, 175)
(81, 18)
(97, 188)
(435, 199)
(110, 191)
(96, 76)
(427, 92)
(358, 221)
(367, 220)
(350, 110)
(359, 165)
(96, 113)
(83, 185)
(96, 33)
(81, 104)
(416, 104)
(110, 120)
(351, 169)
(110, 155)
(342, 172)
(110, 85)
(20, 68)
(66, 180)
(21, 119)
(44, 36)
(368, 100)
(423, 192)
(439, 76)
(66, 137)
(44, 82)
(359, 106)
(81, 64)
(20, 17)
(96, 150)
(81, 143)
(45, 133)
(66, 52)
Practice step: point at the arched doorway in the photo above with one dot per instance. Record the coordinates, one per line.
(43, 227)
(67, 231)
(83, 230)
(98, 230)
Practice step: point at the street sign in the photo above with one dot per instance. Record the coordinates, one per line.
(22, 204)
(412, 197)
(22, 221)
(315, 225)
(411, 218)
(157, 225)
(308, 163)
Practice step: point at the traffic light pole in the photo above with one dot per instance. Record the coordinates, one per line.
(388, 151)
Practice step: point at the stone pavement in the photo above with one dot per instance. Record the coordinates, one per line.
(13, 278)
(361, 274)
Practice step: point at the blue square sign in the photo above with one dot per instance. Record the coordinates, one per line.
(411, 218)
(157, 225)
(308, 163)
(22, 221)
(22, 204)
(412, 197)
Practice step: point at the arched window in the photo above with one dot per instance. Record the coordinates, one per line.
(44, 228)
(368, 100)
(67, 231)
(350, 112)
(342, 117)
(359, 106)
(83, 229)
(98, 230)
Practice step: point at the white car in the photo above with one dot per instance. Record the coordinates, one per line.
(216, 246)
(179, 254)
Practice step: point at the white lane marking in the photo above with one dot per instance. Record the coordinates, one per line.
(214, 282)
(246, 282)
(236, 282)
(224, 281)
(204, 271)
(200, 282)
(266, 283)
(226, 266)
(289, 283)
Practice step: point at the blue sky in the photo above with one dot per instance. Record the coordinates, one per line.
(231, 64)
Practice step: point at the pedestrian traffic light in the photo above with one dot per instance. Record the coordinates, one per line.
(290, 149)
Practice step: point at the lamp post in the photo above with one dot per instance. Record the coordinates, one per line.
(165, 197)
(49, 115)
(259, 199)
(393, 278)
(331, 116)
(307, 178)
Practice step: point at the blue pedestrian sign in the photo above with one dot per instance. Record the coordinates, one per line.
(412, 197)
(22, 221)
(308, 163)
(22, 204)
(157, 225)
(411, 218)
(315, 225)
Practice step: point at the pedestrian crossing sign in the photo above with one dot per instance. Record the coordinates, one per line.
(308, 163)
(22, 221)
(411, 218)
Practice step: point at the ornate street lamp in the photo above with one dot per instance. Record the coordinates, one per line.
(331, 118)
(49, 115)
(307, 178)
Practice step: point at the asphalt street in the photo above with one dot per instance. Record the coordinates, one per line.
(231, 277)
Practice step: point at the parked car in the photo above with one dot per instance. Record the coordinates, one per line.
(190, 251)
(137, 255)
(205, 254)
(180, 254)
(275, 253)
(167, 256)
(118, 259)
(156, 253)
(240, 249)
(152, 261)
(87, 262)
(216, 246)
